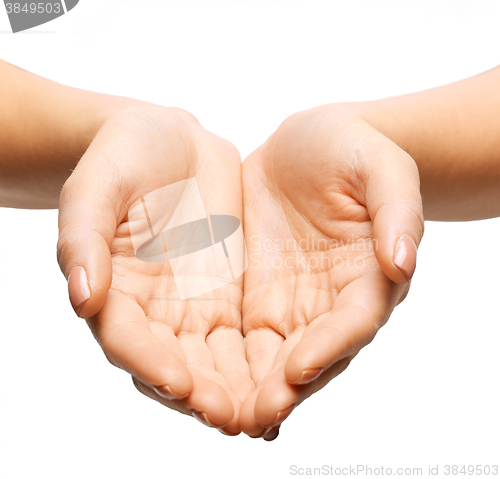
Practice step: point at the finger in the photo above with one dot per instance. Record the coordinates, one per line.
(201, 363)
(277, 398)
(210, 403)
(203, 403)
(228, 351)
(232, 427)
(247, 422)
(179, 405)
(122, 330)
(395, 207)
(90, 208)
(272, 434)
(359, 311)
(262, 346)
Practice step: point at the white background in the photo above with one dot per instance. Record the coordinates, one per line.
(426, 391)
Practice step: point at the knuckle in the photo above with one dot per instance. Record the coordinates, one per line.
(67, 189)
(62, 247)
(414, 209)
(293, 121)
(184, 115)
(233, 152)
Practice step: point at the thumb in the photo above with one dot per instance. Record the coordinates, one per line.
(88, 218)
(395, 208)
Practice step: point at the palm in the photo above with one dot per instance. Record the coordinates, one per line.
(313, 280)
(143, 326)
(314, 291)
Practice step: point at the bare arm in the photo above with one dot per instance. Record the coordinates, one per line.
(45, 128)
(453, 134)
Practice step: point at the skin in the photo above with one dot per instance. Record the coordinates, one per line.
(107, 152)
(452, 134)
(327, 157)
(313, 175)
(323, 210)
(188, 355)
(45, 129)
(334, 189)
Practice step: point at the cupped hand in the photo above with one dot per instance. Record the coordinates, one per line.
(333, 218)
(187, 354)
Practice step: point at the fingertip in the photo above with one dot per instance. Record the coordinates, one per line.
(180, 380)
(90, 278)
(166, 392)
(211, 403)
(405, 257)
(276, 401)
(213, 419)
(233, 426)
(247, 422)
(78, 288)
(301, 376)
(224, 430)
(271, 434)
(396, 255)
(83, 254)
(176, 379)
(203, 418)
(395, 208)
(304, 365)
(293, 367)
(399, 260)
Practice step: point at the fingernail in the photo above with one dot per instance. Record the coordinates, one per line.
(309, 375)
(202, 417)
(165, 392)
(282, 415)
(78, 287)
(225, 432)
(405, 256)
(271, 434)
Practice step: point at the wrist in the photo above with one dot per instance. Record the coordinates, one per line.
(51, 129)
(389, 118)
(86, 113)
(105, 107)
(442, 135)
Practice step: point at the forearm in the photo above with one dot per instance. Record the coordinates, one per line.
(453, 134)
(45, 128)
